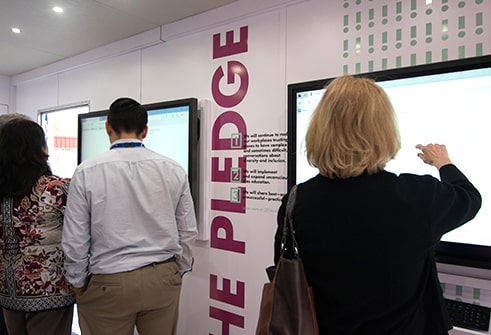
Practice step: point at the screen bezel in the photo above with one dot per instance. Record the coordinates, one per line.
(193, 136)
(468, 255)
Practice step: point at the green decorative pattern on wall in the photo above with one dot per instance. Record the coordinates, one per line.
(382, 34)
(464, 293)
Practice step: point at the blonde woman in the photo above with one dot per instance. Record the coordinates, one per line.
(365, 235)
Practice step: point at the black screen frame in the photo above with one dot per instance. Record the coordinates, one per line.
(468, 255)
(193, 136)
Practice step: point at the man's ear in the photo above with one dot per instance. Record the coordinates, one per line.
(144, 132)
(109, 130)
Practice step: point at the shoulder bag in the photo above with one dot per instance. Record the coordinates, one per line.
(287, 305)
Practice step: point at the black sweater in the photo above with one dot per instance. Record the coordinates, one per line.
(367, 246)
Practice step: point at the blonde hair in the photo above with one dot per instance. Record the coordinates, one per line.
(352, 130)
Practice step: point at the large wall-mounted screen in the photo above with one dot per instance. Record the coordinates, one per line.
(447, 103)
(173, 131)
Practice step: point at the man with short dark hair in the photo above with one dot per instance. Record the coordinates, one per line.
(128, 232)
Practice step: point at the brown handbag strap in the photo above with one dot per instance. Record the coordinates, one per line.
(288, 240)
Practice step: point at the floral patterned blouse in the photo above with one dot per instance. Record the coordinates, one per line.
(31, 260)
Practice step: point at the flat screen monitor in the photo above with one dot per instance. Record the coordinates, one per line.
(173, 131)
(449, 103)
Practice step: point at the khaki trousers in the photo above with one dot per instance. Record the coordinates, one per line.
(50, 322)
(147, 298)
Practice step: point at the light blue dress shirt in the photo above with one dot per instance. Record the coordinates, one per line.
(127, 208)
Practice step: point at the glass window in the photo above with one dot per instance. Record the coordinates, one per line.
(60, 126)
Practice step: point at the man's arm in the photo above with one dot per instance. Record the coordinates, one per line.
(187, 229)
(76, 233)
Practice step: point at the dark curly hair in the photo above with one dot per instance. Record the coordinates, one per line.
(23, 156)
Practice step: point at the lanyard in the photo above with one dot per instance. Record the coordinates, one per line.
(127, 145)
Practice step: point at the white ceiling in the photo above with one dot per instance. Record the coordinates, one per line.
(48, 37)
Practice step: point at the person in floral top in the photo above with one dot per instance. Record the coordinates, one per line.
(34, 295)
(4, 118)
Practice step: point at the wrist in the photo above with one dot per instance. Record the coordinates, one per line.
(439, 166)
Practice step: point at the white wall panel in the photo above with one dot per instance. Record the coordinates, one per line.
(4, 90)
(176, 69)
(313, 43)
(185, 67)
(35, 95)
(102, 82)
(326, 39)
